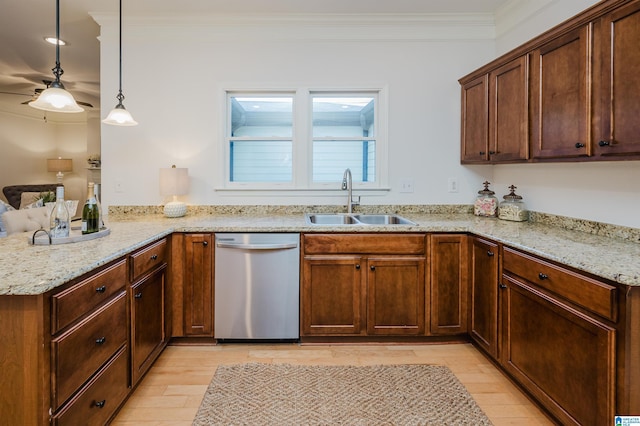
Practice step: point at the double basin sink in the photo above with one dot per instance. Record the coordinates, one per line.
(356, 219)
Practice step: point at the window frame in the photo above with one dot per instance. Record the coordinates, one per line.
(302, 140)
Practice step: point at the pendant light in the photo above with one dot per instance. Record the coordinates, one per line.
(55, 97)
(119, 116)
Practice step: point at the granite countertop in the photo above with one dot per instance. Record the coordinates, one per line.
(32, 270)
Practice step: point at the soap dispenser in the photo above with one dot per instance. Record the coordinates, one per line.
(513, 208)
(486, 203)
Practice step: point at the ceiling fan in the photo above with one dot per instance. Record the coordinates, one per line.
(37, 92)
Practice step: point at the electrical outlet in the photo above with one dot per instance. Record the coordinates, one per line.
(118, 186)
(406, 185)
(452, 184)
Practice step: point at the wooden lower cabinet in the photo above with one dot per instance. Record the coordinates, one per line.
(559, 338)
(332, 295)
(148, 324)
(363, 285)
(449, 283)
(483, 288)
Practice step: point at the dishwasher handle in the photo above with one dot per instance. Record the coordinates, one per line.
(269, 246)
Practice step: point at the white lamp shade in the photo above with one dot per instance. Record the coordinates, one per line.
(174, 181)
(56, 100)
(119, 116)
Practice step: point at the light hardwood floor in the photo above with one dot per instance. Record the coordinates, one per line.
(172, 390)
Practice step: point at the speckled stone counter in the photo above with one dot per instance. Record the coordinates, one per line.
(28, 270)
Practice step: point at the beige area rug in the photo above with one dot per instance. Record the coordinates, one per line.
(280, 394)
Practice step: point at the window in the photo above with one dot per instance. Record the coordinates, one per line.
(302, 139)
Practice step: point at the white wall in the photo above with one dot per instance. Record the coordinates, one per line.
(175, 86)
(604, 191)
(175, 72)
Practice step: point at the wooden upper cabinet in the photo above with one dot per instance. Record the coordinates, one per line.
(560, 102)
(617, 83)
(495, 115)
(509, 112)
(475, 119)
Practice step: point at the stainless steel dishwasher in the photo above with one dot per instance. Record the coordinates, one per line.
(257, 286)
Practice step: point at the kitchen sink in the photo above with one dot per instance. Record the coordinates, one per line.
(383, 219)
(356, 219)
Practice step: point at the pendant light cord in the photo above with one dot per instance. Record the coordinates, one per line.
(120, 96)
(57, 70)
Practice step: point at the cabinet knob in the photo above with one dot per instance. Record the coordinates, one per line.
(101, 340)
(205, 243)
(154, 256)
(543, 276)
(138, 295)
(579, 145)
(489, 253)
(100, 404)
(101, 289)
(373, 268)
(491, 152)
(481, 152)
(604, 143)
(503, 286)
(357, 266)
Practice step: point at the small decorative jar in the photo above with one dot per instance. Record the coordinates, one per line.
(486, 203)
(513, 208)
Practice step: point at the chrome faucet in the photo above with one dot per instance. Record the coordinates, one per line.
(347, 185)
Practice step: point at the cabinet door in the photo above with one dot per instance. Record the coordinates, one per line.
(563, 357)
(484, 295)
(560, 103)
(198, 285)
(332, 295)
(617, 71)
(395, 295)
(148, 333)
(509, 112)
(449, 282)
(475, 119)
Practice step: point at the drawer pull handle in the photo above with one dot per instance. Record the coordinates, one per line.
(604, 143)
(154, 256)
(138, 295)
(100, 404)
(101, 289)
(579, 145)
(101, 341)
(489, 253)
(543, 276)
(503, 286)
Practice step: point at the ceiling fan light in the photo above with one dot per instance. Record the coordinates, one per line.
(56, 99)
(119, 116)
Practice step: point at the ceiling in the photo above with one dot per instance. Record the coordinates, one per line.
(25, 59)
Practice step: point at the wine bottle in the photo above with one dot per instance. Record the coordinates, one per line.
(59, 224)
(90, 213)
(98, 195)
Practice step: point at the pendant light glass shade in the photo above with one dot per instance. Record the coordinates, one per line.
(119, 116)
(55, 98)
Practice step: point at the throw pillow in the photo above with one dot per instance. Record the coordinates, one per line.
(4, 207)
(31, 200)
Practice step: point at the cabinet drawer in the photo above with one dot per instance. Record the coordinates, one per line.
(69, 305)
(97, 402)
(365, 243)
(81, 351)
(148, 259)
(593, 295)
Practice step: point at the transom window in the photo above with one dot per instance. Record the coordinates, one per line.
(302, 139)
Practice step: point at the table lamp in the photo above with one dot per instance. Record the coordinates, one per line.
(59, 165)
(174, 181)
